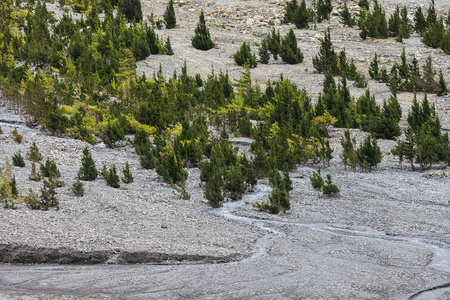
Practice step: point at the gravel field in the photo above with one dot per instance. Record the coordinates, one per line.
(386, 237)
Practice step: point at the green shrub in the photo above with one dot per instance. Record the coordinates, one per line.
(88, 171)
(244, 56)
(16, 136)
(77, 188)
(49, 169)
(169, 16)
(289, 52)
(202, 39)
(330, 189)
(127, 176)
(18, 160)
(112, 179)
(48, 194)
(32, 200)
(34, 154)
(34, 175)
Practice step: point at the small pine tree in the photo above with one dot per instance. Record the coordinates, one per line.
(49, 169)
(346, 17)
(16, 136)
(169, 16)
(32, 200)
(330, 189)
(420, 23)
(442, 85)
(324, 8)
(317, 180)
(18, 160)
(368, 154)
(112, 179)
(131, 9)
(77, 188)
(244, 56)
(168, 47)
(289, 52)
(88, 171)
(13, 185)
(364, 4)
(34, 175)
(213, 189)
(301, 16)
(264, 55)
(202, 39)
(48, 195)
(234, 183)
(127, 176)
(374, 69)
(287, 180)
(33, 153)
(273, 43)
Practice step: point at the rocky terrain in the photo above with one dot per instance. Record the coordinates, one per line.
(386, 237)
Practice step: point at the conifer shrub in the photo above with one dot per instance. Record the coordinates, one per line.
(330, 189)
(345, 16)
(264, 55)
(168, 47)
(77, 188)
(16, 136)
(32, 200)
(289, 52)
(34, 175)
(18, 160)
(127, 176)
(244, 56)
(368, 154)
(234, 183)
(49, 169)
(317, 180)
(88, 171)
(169, 16)
(48, 197)
(34, 154)
(213, 189)
(202, 38)
(111, 177)
(131, 9)
(113, 133)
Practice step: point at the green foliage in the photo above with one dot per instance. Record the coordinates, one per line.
(442, 85)
(33, 153)
(16, 136)
(48, 195)
(49, 169)
(127, 176)
(113, 133)
(234, 183)
(168, 47)
(244, 56)
(77, 188)
(169, 16)
(18, 160)
(424, 143)
(317, 180)
(289, 52)
(324, 9)
(213, 189)
(34, 175)
(274, 43)
(345, 16)
(373, 24)
(88, 171)
(111, 177)
(32, 200)
(330, 189)
(297, 14)
(364, 4)
(202, 39)
(420, 23)
(131, 9)
(368, 154)
(348, 155)
(264, 55)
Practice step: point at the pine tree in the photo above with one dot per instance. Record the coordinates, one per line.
(301, 16)
(169, 16)
(420, 23)
(346, 17)
(374, 69)
(368, 153)
(202, 39)
(442, 85)
(348, 155)
(168, 47)
(289, 52)
(48, 195)
(213, 189)
(34, 175)
(317, 180)
(234, 183)
(287, 182)
(131, 9)
(330, 189)
(273, 43)
(127, 176)
(77, 188)
(326, 58)
(49, 169)
(13, 185)
(324, 9)
(33, 153)
(290, 11)
(264, 55)
(244, 56)
(88, 171)
(17, 160)
(112, 179)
